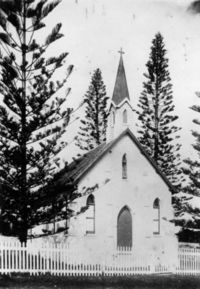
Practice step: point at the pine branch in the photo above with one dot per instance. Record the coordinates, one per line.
(155, 112)
(22, 166)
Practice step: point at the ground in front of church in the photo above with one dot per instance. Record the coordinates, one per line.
(133, 282)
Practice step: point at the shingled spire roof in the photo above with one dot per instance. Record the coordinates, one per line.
(120, 92)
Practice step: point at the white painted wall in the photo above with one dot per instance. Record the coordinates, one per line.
(118, 127)
(138, 192)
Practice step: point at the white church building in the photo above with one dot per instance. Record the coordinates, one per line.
(127, 199)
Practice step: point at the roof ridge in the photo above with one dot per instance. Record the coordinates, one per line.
(93, 156)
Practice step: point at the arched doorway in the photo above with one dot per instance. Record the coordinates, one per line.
(124, 228)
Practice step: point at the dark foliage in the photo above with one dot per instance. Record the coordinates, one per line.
(194, 7)
(192, 168)
(192, 173)
(93, 130)
(157, 132)
(189, 236)
(32, 115)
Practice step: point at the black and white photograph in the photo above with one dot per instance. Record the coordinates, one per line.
(99, 144)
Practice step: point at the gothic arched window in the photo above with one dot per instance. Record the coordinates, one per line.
(90, 217)
(125, 116)
(156, 216)
(124, 228)
(124, 167)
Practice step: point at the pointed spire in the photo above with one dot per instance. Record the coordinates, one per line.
(121, 89)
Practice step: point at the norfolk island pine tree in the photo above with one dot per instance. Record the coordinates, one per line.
(33, 116)
(192, 187)
(93, 126)
(157, 131)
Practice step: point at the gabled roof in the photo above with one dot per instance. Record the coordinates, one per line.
(121, 104)
(121, 88)
(80, 167)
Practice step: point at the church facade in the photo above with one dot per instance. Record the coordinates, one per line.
(127, 200)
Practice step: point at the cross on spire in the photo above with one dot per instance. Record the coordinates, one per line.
(121, 51)
(120, 92)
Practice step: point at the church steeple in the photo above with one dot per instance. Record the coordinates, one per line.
(120, 92)
(121, 112)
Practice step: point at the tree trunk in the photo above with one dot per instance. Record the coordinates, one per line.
(156, 134)
(24, 195)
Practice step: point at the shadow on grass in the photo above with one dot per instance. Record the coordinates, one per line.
(135, 282)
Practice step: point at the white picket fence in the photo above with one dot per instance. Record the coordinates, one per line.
(58, 259)
(189, 261)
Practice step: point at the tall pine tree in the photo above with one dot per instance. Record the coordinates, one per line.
(192, 173)
(33, 117)
(93, 129)
(157, 130)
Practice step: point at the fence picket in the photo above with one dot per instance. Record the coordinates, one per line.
(60, 259)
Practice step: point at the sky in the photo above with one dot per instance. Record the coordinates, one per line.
(95, 30)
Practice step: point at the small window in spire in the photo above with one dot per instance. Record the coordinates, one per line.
(125, 116)
(124, 167)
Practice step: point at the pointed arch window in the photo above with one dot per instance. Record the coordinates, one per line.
(90, 218)
(124, 167)
(156, 216)
(124, 228)
(125, 116)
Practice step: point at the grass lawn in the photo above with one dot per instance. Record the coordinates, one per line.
(134, 282)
